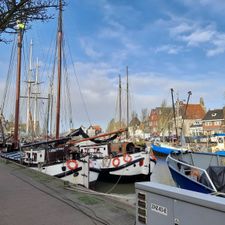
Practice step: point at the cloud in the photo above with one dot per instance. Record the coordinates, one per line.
(88, 48)
(198, 37)
(219, 43)
(196, 34)
(181, 28)
(169, 49)
(218, 5)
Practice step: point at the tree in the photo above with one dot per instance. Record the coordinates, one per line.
(111, 125)
(23, 11)
(134, 115)
(145, 119)
(144, 114)
(165, 116)
(115, 125)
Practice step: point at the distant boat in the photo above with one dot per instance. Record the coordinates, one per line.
(164, 149)
(220, 153)
(198, 171)
(219, 140)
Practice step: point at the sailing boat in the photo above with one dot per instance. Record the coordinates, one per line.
(13, 145)
(164, 149)
(53, 157)
(49, 157)
(121, 161)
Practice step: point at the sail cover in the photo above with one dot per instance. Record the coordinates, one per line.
(217, 175)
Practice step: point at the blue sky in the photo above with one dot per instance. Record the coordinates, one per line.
(176, 44)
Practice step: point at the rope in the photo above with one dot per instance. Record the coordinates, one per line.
(78, 84)
(9, 74)
(67, 88)
(114, 186)
(51, 90)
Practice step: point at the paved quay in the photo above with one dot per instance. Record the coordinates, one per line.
(29, 197)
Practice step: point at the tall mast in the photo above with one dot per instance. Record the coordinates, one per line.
(59, 69)
(2, 128)
(120, 103)
(36, 98)
(18, 78)
(48, 112)
(29, 89)
(189, 94)
(174, 113)
(127, 103)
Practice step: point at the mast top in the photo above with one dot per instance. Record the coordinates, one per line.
(60, 16)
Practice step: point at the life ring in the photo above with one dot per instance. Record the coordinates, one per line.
(72, 164)
(116, 162)
(127, 158)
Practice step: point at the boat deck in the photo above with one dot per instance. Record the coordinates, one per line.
(16, 155)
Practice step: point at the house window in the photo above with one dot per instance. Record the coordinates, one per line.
(217, 123)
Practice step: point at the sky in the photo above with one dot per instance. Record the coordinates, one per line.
(177, 44)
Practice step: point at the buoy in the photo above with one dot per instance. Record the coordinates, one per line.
(116, 162)
(127, 158)
(72, 164)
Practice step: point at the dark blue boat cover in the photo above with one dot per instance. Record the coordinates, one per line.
(217, 175)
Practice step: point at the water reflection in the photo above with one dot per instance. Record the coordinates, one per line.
(160, 174)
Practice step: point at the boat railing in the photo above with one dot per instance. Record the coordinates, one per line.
(203, 171)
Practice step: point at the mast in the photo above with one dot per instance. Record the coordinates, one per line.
(36, 98)
(120, 103)
(48, 112)
(127, 104)
(18, 79)
(174, 114)
(59, 41)
(1, 127)
(189, 94)
(29, 89)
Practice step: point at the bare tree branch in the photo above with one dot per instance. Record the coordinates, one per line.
(24, 11)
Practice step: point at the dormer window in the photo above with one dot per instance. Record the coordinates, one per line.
(214, 114)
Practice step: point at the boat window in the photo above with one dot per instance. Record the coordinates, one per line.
(28, 155)
(35, 156)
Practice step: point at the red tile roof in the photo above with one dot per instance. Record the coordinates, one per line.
(194, 111)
